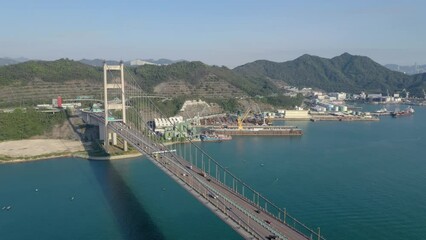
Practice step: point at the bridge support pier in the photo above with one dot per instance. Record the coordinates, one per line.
(114, 139)
(108, 106)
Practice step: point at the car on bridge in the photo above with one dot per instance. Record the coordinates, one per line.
(213, 196)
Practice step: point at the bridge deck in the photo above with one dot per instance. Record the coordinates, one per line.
(243, 215)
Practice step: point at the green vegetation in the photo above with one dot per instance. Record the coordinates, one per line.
(230, 105)
(342, 73)
(284, 101)
(195, 73)
(50, 71)
(170, 107)
(151, 75)
(22, 124)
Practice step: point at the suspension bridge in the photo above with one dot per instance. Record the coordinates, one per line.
(248, 212)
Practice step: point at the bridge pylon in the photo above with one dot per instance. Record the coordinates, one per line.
(113, 106)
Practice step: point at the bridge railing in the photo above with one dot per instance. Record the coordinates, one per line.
(198, 157)
(141, 110)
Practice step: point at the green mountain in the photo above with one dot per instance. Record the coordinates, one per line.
(418, 86)
(342, 73)
(33, 81)
(197, 78)
(36, 82)
(48, 71)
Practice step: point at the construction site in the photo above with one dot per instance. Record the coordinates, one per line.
(251, 122)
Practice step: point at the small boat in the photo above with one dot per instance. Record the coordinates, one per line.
(383, 110)
(214, 137)
(3, 208)
(8, 208)
(407, 112)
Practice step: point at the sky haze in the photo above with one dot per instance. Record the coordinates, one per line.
(222, 32)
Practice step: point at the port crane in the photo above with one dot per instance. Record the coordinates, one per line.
(406, 93)
(241, 118)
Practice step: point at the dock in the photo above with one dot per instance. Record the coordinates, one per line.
(259, 131)
(343, 118)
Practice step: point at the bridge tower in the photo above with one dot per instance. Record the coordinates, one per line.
(113, 106)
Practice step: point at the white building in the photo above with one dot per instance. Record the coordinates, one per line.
(318, 108)
(338, 95)
(161, 123)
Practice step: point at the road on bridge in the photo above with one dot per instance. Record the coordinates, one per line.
(248, 219)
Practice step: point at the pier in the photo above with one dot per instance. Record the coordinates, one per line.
(260, 131)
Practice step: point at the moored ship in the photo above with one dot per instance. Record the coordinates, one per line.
(215, 137)
(407, 112)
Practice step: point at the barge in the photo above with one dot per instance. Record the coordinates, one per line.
(214, 137)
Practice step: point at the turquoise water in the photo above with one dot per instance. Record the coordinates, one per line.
(355, 180)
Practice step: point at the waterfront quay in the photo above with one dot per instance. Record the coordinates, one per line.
(343, 118)
(259, 131)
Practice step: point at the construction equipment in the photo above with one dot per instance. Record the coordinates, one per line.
(240, 118)
(407, 93)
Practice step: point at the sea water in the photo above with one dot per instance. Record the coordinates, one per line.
(354, 180)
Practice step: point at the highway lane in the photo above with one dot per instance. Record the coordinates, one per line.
(228, 204)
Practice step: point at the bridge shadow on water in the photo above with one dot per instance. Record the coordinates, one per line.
(133, 220)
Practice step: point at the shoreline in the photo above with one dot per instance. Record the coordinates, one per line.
(71, 155)
(81, 153)
(28, 150)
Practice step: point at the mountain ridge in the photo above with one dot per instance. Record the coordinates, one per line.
(346, 72)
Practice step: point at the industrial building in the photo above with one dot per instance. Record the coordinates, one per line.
(297, 114)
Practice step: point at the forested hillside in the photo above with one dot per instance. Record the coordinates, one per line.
(346, 72)
(58, 71)
(40, 80)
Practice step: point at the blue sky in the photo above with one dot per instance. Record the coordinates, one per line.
(221, 32)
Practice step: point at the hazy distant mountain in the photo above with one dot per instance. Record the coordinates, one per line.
(98, 62)
(9, 61)
(414, 69)
(136, 62)
(163, 61)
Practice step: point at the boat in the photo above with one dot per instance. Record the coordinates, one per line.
(407, 112)
(214, 137)
(383, 110)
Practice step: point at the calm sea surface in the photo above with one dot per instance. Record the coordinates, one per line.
(355, 180)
